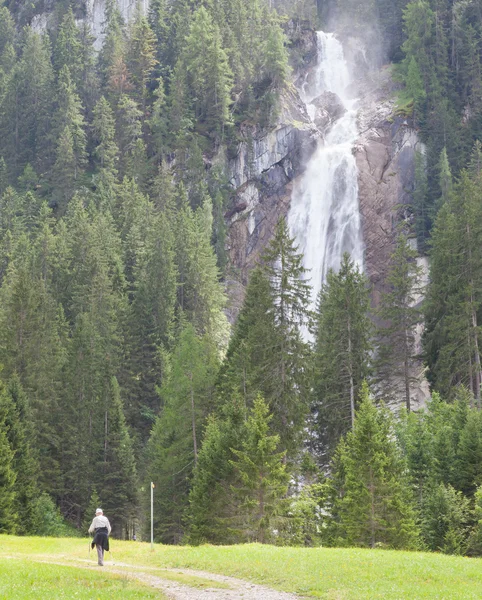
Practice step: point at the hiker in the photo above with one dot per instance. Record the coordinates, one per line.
(101, 528)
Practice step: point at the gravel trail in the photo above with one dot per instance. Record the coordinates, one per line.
(239, 589)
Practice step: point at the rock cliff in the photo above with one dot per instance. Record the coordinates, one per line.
(385, 155)
(92, 11)
(265, 169)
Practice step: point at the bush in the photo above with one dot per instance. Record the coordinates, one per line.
(49, 521)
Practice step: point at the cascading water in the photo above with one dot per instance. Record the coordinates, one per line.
(324, 217)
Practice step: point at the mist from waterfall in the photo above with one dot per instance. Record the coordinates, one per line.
(324, 217)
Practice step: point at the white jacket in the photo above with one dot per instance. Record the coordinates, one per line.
(99, 521)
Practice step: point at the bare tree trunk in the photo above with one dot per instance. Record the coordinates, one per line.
(406, 373)
(106, 428)
(372, 512)
(193, 416)
(474, 327)
(352, 384)
(477, 354)
(471, 370)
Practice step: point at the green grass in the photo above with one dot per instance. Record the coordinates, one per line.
(333, 574)
(23, 579)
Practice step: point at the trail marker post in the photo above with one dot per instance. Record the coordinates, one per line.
(152, 516)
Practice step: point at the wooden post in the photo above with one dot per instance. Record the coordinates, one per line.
(152, 517)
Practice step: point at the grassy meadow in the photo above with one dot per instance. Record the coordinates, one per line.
(333, 574)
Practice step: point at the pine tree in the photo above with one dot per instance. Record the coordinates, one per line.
(451, 340)
(262, 479)
(342, 354)
(151, 316)
(290, 293)
(140, 59)
(15, 414)
(67, 50)
(445, 517)
(129, 133)
(200, 294)
(106, 150)
(468, 470)
(209, 75)
(71, 145)
(8, 514)
(27, 108)
(116, 469)
(374, 503)
(211, 502)
(174, 444)
(397, 351)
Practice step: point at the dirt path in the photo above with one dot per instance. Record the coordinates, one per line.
(174, 590)
(177, 591)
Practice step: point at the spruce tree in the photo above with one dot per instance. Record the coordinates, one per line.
(69, 129)
(116, 475)
(8, 514)
(140, 58)
(451, 339)
(468, 463)
(150, 318)
(105, 150)
(173, 449)
(261, 477)
(250, 357)
(15, 414)
(290, 294)
(374, 502)
(111, 56)
(129, 134)
(67, 50)
(342, 354)
(27, 106)
(445, 516)
(200, 295)
(399, 312)
(209, 74)
(212, 505)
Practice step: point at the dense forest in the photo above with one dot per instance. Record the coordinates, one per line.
(118, 364)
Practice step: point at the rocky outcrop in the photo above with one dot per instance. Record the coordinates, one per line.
(93, 11)
(328, 108)
(385, 156)
(262, 175)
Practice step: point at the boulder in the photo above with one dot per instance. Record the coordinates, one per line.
(328, 109)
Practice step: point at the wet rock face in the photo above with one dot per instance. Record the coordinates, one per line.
(262, 175)
(385, 155)
(329, 108)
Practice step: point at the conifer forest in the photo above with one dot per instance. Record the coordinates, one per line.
(291, 423)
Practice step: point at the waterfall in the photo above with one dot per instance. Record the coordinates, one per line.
(324, 217)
